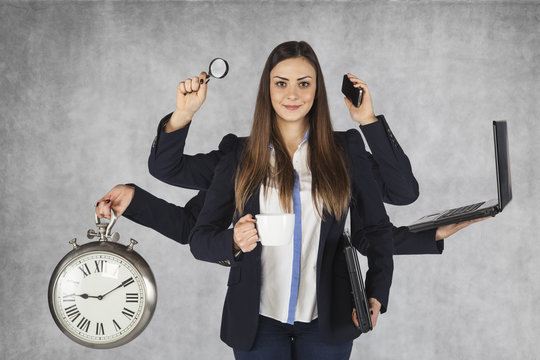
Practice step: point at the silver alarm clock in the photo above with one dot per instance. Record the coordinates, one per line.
(102, 294)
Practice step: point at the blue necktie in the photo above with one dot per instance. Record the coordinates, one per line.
(297, 249)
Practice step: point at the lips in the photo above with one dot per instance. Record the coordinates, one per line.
(291, 107)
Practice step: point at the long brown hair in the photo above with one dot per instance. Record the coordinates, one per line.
(330, 178)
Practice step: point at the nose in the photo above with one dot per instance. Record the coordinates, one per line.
(292, 93)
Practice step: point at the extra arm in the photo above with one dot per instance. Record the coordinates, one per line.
(372, 221)
(390, 165)
(168, 163)
(212, 239)
(172, 221)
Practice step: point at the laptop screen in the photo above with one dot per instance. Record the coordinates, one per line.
(504, 180)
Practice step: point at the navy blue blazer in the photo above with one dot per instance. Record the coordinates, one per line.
(176, 223)
(212, 240)
(390, 166)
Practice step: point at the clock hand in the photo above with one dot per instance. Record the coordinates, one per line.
(124, 283)
(84, 296)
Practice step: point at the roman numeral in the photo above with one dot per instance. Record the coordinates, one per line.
(85, 270)
(129, 314)
(132, 297)
(72, 312)
(99, 265)
(116, 326)
(128, 282)
(84, 324)
(99, 329)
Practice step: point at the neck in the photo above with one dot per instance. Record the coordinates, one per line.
(292, 133)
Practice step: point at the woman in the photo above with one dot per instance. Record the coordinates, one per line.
(292, 162)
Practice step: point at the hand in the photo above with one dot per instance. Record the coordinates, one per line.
(374, 310)
(446, 231)
(363, 114)
(190, 95)
(245, 234)
(119, 198)
(124, 283)
(84, 296)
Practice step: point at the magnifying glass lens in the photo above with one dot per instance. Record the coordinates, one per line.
(218, 68)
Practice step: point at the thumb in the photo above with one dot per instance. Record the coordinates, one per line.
(201, 93)
(247, 218)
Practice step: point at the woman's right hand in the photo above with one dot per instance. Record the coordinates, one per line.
(118, 198)
(245, 234)
(190, 95)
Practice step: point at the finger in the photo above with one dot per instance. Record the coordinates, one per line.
(252, 239)
(356, 80)
(247, 239)
(203, 78)
(249, 248)
(355, 318)
(481, 219)
(203, 85)
(248, 233)
(247, 218)
(195, 84)
(374, 317)
(187, 83)
(103, 210)
(182, 88)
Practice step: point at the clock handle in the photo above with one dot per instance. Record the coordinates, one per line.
(111, 223)
(109, 226)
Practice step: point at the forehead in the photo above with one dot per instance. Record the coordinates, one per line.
(293, 68)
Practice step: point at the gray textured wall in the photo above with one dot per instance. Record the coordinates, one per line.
(83, 86)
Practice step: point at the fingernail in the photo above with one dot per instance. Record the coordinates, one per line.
(371, 312)
(97, 204)
(201, 81)
(108, 201)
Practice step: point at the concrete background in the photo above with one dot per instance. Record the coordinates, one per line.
(83, 86)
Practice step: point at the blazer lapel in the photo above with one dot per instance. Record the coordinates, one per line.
(325, 229)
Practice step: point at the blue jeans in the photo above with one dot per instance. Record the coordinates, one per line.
(301, 341)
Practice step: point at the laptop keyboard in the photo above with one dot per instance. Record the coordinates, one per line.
(461, 210)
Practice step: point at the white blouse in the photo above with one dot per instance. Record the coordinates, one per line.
(277, 261)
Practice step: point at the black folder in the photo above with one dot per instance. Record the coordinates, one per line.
(357, 284)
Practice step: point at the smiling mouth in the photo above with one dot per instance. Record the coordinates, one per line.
(291, 107)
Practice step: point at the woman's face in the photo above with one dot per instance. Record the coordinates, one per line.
(293, 83)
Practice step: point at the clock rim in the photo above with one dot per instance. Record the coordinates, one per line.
(136, 261)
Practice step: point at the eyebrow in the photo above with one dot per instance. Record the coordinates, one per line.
(301, 78)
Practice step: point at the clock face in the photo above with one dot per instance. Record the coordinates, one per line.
(99, 297)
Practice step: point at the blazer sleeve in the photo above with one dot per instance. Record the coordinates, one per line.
(391, 167)
(407, 242)
(404, 241)
(212, 237)
(168, 163)
(371, 220)
(172, 221)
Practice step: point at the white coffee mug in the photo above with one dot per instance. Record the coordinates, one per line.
(275, 229)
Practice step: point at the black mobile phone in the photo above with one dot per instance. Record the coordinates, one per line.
(352, 93)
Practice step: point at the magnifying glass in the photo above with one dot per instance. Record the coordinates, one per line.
(218, 68)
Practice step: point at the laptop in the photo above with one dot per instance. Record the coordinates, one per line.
(361, 303)
(481, 209)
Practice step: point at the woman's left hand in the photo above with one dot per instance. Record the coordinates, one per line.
(363, 114)
(374, 309)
